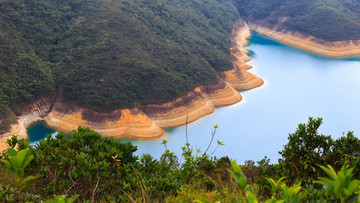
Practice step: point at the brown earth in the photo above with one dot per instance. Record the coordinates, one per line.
(338, 49)
(196, 104)
(131, 123)
(238, 77)
(149, 121)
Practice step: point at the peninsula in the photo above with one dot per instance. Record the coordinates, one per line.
(132, 68)
(148, 121)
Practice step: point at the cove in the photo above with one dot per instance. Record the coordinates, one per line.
(38, 131)
(297, 85)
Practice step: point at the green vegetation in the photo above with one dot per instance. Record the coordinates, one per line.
(330, 20)
(112, 54)
(109, 54)
(83, 165)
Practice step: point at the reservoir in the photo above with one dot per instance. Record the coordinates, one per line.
(297, 85)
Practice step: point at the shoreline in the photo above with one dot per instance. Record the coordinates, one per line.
(309, 43)
(150, 121)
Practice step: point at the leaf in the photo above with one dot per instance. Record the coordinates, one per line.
(7, 164)
(72, 199)
(27, 181)
(330, 171)
(11, 152)
(251, 197)
(26, 161)
(21, 155)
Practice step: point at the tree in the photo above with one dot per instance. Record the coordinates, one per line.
(305, 150)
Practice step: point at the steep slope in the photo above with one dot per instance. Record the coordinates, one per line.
(331, 20)
(107, 55)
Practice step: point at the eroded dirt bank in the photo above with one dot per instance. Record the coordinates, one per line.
(149, 121)
(337, 49)
(238, 77)
(196, 104)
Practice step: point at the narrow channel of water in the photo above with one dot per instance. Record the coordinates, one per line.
(297, 85)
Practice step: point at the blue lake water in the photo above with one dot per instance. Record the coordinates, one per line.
(38, 131)
(297, 85)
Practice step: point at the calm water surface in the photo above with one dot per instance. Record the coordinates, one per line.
(38, 131)
(297, 85)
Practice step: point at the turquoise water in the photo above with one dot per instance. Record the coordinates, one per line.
(297, 85)
(38, 131)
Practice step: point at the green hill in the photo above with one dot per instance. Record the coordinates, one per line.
(331, 20)
(111, 54)
(108, 54)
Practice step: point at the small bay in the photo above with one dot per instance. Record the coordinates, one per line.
(297, 85)
(38, 131)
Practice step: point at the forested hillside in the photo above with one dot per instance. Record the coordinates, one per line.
(331, 20)
(108, 54)
(111, 54)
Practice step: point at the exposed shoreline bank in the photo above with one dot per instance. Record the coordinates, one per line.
(149, 121)
(337, 49)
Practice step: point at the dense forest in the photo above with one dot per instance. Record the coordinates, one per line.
(111, 54)
(90, 168)
(106, 54)
(331, 20)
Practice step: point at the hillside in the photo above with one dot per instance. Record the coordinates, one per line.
(110, 54)
(331, 20)
(107, 55)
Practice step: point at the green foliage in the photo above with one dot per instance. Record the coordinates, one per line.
(17, 162)
(105, 170)
(341, 184)
(10, 194)
(346, 149)
(314, 17)
(305, 150)
(275, 186)
(265, 171)
(239, 176)
(13, 141)
(69, 161)
(240, 179)
(110, 54)
(290, 194)
(63, 199)
(108, 168)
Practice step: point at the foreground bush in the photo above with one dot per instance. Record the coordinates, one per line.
(90, 168)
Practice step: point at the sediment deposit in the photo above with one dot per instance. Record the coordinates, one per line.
(238, 77)
(33, 113)
(337, 49)
(149, 121)
(194, 105)
(130, 123)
